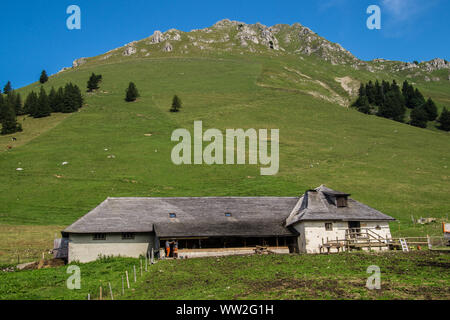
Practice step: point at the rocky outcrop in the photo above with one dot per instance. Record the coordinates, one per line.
(130, 49)
(79, 62)
(168, 47)
(157, 37)
(435, 64)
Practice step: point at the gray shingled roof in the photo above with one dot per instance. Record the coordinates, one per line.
(318, 205)
(195, 217)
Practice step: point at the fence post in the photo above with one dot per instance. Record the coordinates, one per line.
(123, 287)
(110, 291)
(140, 260)
(101, 296)
(128, 282)
(152, 257)
(134, 268)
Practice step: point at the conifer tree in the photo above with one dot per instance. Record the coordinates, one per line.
(9, 119)
(431, 109)
(2, 105)
(444, 120)
(176, 104)
(132, 93)
(44, 77)
(43, 105)
(31, 104)
(8, 88)
(52, 99)
(419, 117)
(93, 82)
(59, 100)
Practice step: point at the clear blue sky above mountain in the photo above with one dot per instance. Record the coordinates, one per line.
(35, 35)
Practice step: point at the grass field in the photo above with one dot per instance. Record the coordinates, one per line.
(416, 275)
(398, 169)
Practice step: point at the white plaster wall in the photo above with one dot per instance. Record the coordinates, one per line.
(312, 233)
(83, 248)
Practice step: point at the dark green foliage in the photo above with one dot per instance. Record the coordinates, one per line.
(31, 104)
(9, 119)
(93, 82)
(393, 107)
(58, 105)
(419, 117)
(132, 93)
(444, 120)
(417, 99)
(176, 104)
(44, 77)
(391, 102)
(362, 105)
(73, 100)
(431, 109)
(43, 106)
(8, 88)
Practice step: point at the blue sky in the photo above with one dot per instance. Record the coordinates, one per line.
(35, 35)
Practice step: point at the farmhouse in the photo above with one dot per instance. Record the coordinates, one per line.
(320, 219)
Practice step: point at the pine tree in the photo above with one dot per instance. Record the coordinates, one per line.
(31, 104)
(44, 77)
(370, 91)
(176, 104)
(16, 100)
(416, 99)
(59, 100)
(9, 120)
(444, 120)
(43, 105)
(2, 106)
(131, 93)
(419, 117)
(93, 82)
(8, 88)
(379, 96)
(362, 105)
(52, 99)
(72, 100)
(431, 109)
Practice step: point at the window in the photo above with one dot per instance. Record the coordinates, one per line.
(227, 214)
(99, 236)
(341, 201)
(172, 215)
(127, 236)
(328, 226)
(378, 227)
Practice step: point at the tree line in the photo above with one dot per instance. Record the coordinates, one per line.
(390, 101)
(65, 99)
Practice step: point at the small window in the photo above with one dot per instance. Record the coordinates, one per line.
(99, 236)
(172, 215)
(227, 214)
(127, 236)
(341, 202)
(378, 227)
(328, 226)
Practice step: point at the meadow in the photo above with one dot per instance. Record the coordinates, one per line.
(114, 148)
(415, 275)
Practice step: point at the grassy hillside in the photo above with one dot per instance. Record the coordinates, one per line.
(398, 169)
(418, 275)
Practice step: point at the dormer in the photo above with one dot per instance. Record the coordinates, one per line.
(339, 199)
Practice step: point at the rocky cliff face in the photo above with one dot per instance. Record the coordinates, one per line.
(239, 37)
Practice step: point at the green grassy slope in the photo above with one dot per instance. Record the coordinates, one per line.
(398, 169)
(417, 275)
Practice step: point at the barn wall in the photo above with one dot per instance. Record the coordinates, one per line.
(312, 233)
(83, 248)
